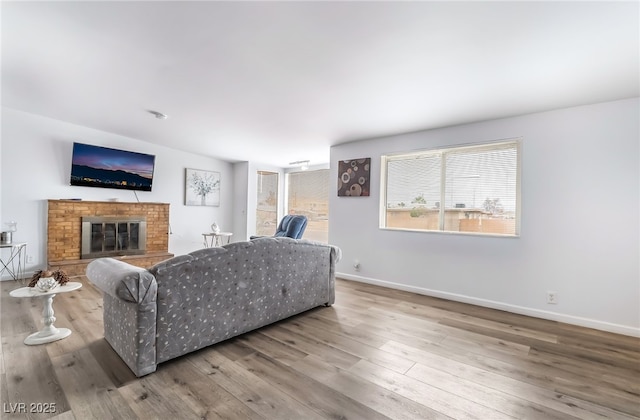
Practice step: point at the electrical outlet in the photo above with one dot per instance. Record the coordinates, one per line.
(356, 265)
(552, 297)
(29, 259)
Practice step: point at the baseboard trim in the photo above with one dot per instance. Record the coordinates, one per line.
(26, 277)
(536, 313)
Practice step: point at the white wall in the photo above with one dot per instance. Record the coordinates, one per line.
(580, 222)
(36, 165)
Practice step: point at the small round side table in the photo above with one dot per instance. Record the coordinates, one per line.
(49, 333)
(216, 238)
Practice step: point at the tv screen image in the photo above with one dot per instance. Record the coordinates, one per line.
(96, 166)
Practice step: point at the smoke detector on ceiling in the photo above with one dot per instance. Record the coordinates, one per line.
(158, 115)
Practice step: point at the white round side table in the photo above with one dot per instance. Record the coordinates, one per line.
(49, 333)
(216, 238)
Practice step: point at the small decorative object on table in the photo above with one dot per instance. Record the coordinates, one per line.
(46, 284)
(215, 228)
(59, 277)
(6, 237)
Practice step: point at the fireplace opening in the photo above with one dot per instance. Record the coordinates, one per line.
(113, 236)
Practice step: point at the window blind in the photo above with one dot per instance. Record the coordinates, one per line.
(308, 195)
(267, 203)
(460, 189)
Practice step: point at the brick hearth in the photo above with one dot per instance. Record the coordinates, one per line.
(65, 225)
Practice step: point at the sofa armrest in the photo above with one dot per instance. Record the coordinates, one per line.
(130, 311)
(125, 281)
(336, 251)
(335, 255)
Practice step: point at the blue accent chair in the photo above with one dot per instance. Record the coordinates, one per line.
(291, 226)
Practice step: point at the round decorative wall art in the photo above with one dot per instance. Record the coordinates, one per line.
(353, 177)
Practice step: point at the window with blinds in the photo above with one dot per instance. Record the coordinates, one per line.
(267, 203)
(470, 189)
(308, 194)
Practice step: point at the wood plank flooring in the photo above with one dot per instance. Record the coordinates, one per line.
(376, 354)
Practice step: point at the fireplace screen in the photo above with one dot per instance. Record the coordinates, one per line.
(113, 236)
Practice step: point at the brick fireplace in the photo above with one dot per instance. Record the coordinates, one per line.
(64, 232)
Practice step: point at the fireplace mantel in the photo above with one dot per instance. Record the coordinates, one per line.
(64, 231)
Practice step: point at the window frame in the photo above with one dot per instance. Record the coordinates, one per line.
(442, 152)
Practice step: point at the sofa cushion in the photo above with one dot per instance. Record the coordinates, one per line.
(226, 291)
(170, 263)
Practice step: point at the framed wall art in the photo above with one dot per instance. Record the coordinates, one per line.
(354, 177)
(202, 188)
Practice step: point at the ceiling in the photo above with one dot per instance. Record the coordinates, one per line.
(276, 82)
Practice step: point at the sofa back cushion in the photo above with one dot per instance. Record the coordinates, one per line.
(217, 293)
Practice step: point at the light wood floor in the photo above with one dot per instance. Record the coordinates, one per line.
(377, 353)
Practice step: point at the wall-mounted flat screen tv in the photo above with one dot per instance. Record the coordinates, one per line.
(96, 166)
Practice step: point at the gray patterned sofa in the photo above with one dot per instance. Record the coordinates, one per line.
(192, 301)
